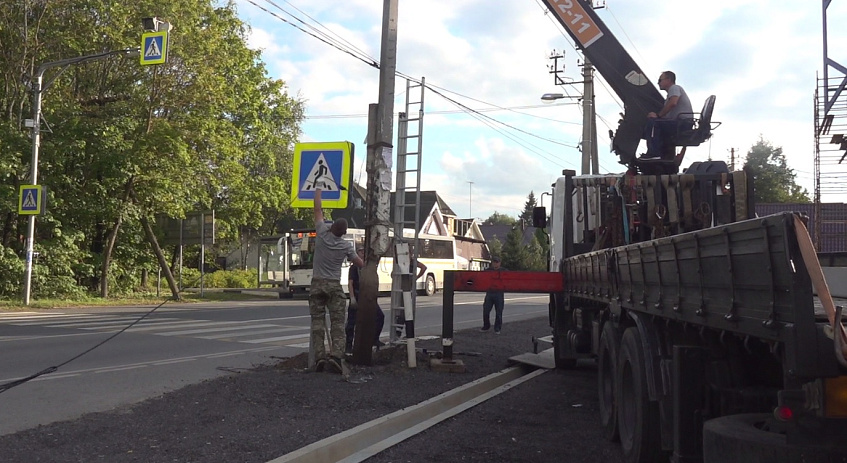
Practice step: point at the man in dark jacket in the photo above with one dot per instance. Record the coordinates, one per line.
(493, 299)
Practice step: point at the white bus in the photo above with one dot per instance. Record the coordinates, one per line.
(297, 249)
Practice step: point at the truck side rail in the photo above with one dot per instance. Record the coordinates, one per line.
(746, 278)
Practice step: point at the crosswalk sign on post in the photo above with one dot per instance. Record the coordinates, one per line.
(154, 48)
(328, 165)
(31, 200)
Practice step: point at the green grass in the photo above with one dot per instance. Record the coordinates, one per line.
(138, 299)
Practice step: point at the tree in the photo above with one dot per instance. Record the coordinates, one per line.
(130, 143)
(536, 256)
(499, 219)
(774, 180)
(495, 247)
(515, 254)
(526, 215)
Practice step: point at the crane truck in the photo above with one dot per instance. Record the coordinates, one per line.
(710, 343)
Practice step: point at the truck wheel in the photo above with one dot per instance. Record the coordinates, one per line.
(607, 357)
(429, 286)
(638, 418)
(561, 363)
(756, 437)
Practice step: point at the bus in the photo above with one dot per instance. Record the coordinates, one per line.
(296, 250)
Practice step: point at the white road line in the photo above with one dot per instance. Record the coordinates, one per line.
(106, 323)
(212, 330)
(277, 330)
(129, 366)
(280, 338)
(44, 319)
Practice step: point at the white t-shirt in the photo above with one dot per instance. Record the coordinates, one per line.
(683, 105)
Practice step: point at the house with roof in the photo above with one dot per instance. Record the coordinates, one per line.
(435, 218)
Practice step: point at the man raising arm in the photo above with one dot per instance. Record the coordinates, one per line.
(326, 294)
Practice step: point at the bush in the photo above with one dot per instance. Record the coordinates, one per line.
(220, 278)
(11, 273)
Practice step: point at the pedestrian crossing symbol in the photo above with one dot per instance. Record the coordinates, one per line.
(324, 165)
(154, 47)
(31, 200)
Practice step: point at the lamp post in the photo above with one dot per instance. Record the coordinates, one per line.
(38, 88)
(470, 200)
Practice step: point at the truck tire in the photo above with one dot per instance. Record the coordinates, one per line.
(561, 363)
(638, 418)
(607, 358)
(750, 437)
(429, 285)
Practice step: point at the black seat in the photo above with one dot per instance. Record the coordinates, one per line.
(699, 131)
(701, 128)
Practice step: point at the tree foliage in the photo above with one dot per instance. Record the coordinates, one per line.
(529, 205)
(514, 253)
(499, 219)
(774, 180)
(128, 143)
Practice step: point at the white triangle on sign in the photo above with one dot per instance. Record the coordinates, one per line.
(153, 49)
(320, 173)
(29, 201)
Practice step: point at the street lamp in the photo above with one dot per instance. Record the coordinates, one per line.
(38, 87)
(555, 96)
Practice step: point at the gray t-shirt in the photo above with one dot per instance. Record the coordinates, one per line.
(330, 251)
(683, 105)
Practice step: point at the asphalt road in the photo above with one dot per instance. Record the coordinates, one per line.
(174, 346)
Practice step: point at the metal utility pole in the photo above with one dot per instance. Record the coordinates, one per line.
(38, 88)
(470, 199)
(590, 161)
(378, 209)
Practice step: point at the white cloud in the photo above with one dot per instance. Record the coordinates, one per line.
(760, 59)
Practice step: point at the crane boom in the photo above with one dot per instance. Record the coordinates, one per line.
(612, 61)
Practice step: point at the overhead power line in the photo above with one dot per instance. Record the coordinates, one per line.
(335, 41)
(355, 53)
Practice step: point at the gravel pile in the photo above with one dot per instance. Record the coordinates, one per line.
(261, 414)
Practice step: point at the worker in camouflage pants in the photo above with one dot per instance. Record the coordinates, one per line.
(325, 293)
(327, 296)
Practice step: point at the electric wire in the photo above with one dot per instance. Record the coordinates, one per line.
(488, 121)
(458, 111)
(367, 60)
(5, 387)
(323, 37)
(342, 39)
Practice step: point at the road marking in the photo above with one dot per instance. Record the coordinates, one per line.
(130, 366)
(212, 330)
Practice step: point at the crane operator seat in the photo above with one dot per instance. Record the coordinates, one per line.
(699, 131)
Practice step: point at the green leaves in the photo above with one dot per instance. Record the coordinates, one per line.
(193, 134)
(774, 180)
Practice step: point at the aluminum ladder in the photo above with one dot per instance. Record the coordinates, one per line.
(407, 211)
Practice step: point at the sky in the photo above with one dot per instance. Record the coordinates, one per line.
(760, 58)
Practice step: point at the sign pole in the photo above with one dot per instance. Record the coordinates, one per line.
(38, 88)
(36, 139)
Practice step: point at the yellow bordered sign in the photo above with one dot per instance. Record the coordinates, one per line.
(31, 200)
(328, 164)
(154, 48)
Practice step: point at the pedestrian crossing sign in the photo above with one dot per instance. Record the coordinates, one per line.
(31, 200)
(328, 165)
(154, 48)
